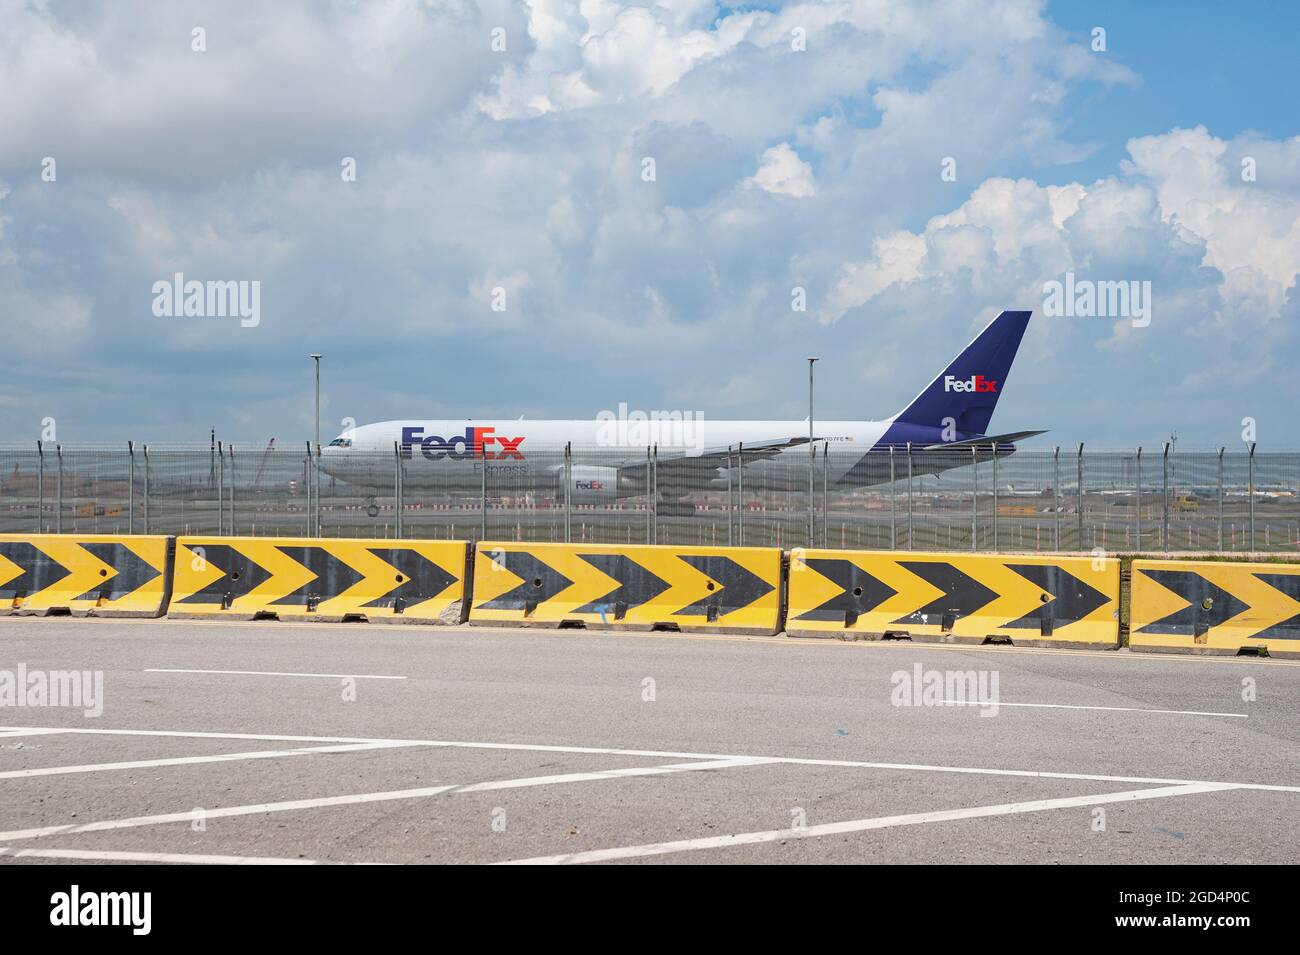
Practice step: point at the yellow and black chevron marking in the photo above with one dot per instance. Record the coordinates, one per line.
(101, 574)
(964, 598)
(320, 579)
(1214, 607)
(723, 589)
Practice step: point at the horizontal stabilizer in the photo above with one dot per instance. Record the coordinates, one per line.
(985, 440)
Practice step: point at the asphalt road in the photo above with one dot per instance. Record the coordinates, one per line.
(371, 743)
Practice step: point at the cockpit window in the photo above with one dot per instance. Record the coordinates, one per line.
(340, 443)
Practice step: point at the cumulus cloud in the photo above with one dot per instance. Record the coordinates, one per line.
(782, 172)
(522, 168)
(1179, 199)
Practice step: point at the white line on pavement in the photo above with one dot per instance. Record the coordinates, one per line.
(327, 676)
(358, 798)
(188, 760)
(609, 751)
(95, 855)
(1075, 706)
(861, 825)
(15, 731)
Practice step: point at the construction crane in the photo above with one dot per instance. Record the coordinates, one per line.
(262, 466)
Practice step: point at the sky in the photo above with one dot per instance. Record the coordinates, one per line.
(549, 209)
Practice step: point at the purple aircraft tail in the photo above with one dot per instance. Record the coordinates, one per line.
(967, 390)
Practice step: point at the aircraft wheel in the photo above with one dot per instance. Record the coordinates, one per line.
(372, 510)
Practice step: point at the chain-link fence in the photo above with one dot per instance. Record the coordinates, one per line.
(892, 498)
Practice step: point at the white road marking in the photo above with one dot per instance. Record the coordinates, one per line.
(95, 855)
(30, 732)
(610, 751)
(359, 798)
(1073, 706)
(188, 760)
(327, 676)
(861, 825)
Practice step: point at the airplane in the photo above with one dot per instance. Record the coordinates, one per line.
(675, 455)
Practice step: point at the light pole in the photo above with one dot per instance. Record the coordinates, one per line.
(316, 358)
(812, 452)
(312, 476)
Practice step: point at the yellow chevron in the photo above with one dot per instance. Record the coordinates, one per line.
(1265, 606)
(450, 556)
(1015, 596)
(687, 585)
(89, 573)
(287, 575)
(492, 579)
(9, 570)
(1150, 600)
(153, 551)
(191, 573)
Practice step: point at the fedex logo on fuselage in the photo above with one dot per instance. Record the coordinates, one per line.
(474, 443)
(977, 383)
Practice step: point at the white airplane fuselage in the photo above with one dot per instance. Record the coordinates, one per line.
(451, 455)
(672, 455)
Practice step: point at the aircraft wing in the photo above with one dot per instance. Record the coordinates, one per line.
(695, 462)
(984, 440)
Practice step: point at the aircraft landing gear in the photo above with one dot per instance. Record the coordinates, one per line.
(372, 509)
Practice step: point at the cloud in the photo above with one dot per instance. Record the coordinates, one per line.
(783, 173)
(1178, 206)
(776, 167)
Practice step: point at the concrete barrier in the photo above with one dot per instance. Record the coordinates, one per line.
(1215, 607)
(954, 598)
(720, 589)
(101, 575)
(242, 578)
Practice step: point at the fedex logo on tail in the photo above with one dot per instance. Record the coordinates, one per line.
(474, 443)
(977, 383)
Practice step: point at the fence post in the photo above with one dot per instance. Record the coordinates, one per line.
(1164, 510)
(1137, 478)
(130, 487)
(974, 497)
(1078, 499)
(1220, 501)
(650, 499)
(909, 496)
(40, 487)
(826, 500)
(1056, 498)
(482, 493)
(654, 469)
(316, 496)
(221, 488)
(397, 489)
(146, 488)
(995, 497)
(1250, 486)
(730, 493)
(315, 470)
(893, 504)
(231, 495)
(58, 514)
(740, 494)
(568, 492)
